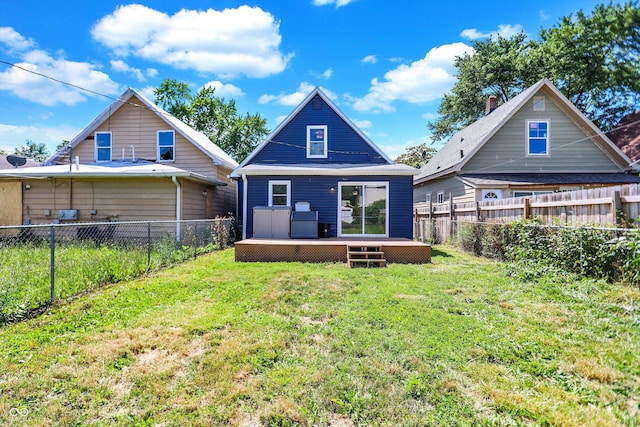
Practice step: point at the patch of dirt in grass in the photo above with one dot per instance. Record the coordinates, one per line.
(594, 370)
(336, 420)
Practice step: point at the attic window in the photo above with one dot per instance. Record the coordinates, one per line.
(166, 145)
(538, 103)
(317, 141)
(316, 103)
(103, 146)
(537, 138)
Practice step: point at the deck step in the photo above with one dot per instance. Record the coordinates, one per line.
(365, 256)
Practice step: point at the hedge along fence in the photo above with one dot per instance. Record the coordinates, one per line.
(607, 253)
(42, 263)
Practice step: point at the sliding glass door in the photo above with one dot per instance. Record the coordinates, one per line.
(364, 209)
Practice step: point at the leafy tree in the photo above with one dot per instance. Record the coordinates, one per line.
(31, 150)
(3, 152)
(214, 116)
(62, 144)
(416, 156)
(593, 60)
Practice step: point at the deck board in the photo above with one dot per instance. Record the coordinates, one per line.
(404, 251)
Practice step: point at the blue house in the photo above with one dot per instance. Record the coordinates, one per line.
(318, 175)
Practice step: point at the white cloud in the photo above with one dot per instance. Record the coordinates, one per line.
(503, 30)
(327, 73)
(29, 83)
(228, 43)
(421, 81)
(369, 59)
(14, 40)
(429, 116)
(544, 16)
(148, 92)
(295, 98)
(123, 67)
(363, 124)
(223, 90)
(338, 3)
(151, 72)
(16, 136)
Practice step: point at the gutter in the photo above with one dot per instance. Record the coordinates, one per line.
(244, 206)
(178, 206)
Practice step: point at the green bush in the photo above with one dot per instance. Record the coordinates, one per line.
(534, 250)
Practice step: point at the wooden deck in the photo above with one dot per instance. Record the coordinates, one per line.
(403, 251)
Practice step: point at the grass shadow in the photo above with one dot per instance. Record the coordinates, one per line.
(438, 252)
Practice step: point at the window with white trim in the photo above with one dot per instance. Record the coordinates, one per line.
(103, 146)
(491, 194)
(279, 193)
(317, 141)
(166, 145)
(537, 138)
(440, 197)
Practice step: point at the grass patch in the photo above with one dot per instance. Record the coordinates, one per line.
(214, 342)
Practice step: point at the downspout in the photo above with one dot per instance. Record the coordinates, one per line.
(244, 206)
(178, 206)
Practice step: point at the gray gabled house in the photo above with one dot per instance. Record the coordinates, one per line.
(537, 142)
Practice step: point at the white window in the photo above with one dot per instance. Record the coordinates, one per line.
(538, 103)
(427, 198)
(317, 141)
(279, 193)
(537, 138)
(440, 197)
(103, 146)
(166, 145)
(491, 194)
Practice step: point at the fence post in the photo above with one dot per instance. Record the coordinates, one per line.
(617, 207)
(527, 208)
(148, 245)
(52, 263)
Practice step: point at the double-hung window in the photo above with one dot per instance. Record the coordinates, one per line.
(166, 145)
(317, 141)
(537, 138)
(279, 193)
(103, 146)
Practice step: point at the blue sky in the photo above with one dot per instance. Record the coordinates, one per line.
(385, 63)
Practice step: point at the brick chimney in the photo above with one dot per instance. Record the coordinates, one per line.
(492, 104)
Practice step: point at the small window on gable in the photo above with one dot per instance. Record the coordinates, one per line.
(279, 193)
(103, 146)
(538, 103)
(317, 141)
(538, 138)
(440, 197)
(166, 145)
(491, 194)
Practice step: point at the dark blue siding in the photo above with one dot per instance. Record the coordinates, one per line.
(289, 146)
(317, 191)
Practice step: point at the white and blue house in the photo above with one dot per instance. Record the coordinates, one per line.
(317, 167)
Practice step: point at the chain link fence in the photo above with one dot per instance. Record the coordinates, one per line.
(42, 263)
(599, 252)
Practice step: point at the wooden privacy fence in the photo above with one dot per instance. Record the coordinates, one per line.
(604, 206)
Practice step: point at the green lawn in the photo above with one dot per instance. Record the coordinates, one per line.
(214, 342)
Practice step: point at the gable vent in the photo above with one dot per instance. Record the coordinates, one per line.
(316, 103)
